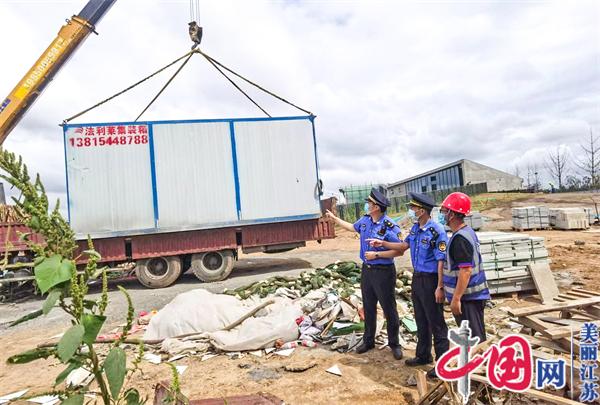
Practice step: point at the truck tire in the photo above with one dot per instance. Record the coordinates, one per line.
(158, 272)
(213, 266)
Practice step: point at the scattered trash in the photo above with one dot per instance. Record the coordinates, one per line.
(285, 352)
(334, 370)
(152, 358)
(208, 356)
(45, 399)
(410, 324)
(181, 369)
(178, 357)
(79, 377)
(579, 243)
(10, 397)
(411, 381)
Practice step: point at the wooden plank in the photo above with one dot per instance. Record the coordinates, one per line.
(544, 281)
(538, 309)
(538, 341)
(582, 290)
(593, 310)
(580, 294)
(533, 393)
(439, 388)
(421, 377)
(535, 324)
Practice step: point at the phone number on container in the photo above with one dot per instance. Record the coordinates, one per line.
(108, 141)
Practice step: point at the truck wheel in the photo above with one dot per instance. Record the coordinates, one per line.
(158, 272)
(212, 266)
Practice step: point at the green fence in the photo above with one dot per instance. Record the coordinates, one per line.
(351, 212)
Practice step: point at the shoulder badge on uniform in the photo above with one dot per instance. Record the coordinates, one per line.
(363, 226)
(388, 223)
(442, 246)
(399, 235)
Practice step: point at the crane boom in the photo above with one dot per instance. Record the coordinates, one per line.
(70, 36)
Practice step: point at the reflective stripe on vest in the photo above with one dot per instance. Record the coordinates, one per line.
(477, 287)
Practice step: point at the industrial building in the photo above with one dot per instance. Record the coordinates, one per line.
(456, 174)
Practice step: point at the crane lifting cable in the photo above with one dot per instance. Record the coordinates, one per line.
(221, 68)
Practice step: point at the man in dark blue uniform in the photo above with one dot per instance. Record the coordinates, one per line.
(427, 243)
(378, 278)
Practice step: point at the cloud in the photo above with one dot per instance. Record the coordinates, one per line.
(397, 87)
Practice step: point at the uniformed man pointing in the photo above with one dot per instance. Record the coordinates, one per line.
(378, 278)
(427, 242)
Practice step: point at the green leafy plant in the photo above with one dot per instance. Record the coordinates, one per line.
(57, 276)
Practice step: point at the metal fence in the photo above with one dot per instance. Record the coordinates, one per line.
(351, 212)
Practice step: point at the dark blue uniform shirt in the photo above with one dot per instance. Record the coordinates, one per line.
(427, 246)
(384, 229)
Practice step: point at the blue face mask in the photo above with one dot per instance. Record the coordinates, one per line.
(442, 219)
(412, 215)
(366, 208)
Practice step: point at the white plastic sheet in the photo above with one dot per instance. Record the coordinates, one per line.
(200, 311)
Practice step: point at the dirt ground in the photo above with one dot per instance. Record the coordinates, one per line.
(371, 378)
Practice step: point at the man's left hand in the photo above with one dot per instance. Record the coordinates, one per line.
(455, 307)
(371, 255)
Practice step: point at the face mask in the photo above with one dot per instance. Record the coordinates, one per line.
(412, 215)
(442, 219)
(366, 208)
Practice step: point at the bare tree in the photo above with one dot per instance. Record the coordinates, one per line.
(557, 165)
(529, 175)
(589, 163)
(537, 185)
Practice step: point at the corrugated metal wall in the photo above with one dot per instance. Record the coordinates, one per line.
(108, 184)
(277, 169)
(170, 176)
(194, 174)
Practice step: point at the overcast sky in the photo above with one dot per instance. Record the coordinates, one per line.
(397, 87)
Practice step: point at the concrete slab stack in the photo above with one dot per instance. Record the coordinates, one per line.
(569, 218)
(527, 218)
(505, 257)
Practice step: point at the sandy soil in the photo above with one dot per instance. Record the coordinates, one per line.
(371, 378)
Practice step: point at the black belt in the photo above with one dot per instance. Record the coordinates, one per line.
(418, 274)
(378, 266)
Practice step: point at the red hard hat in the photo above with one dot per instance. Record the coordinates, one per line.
(458, 202)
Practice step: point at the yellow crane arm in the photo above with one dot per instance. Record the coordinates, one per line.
(70, 36)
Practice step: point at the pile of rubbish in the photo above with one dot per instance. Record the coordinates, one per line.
(341, 277)
(274, 316)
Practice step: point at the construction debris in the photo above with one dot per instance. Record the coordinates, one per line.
(574, 308)
(528, 218)
(335, 370)
(7, 398)
(569, 218)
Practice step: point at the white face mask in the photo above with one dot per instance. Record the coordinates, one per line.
(366, 208)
